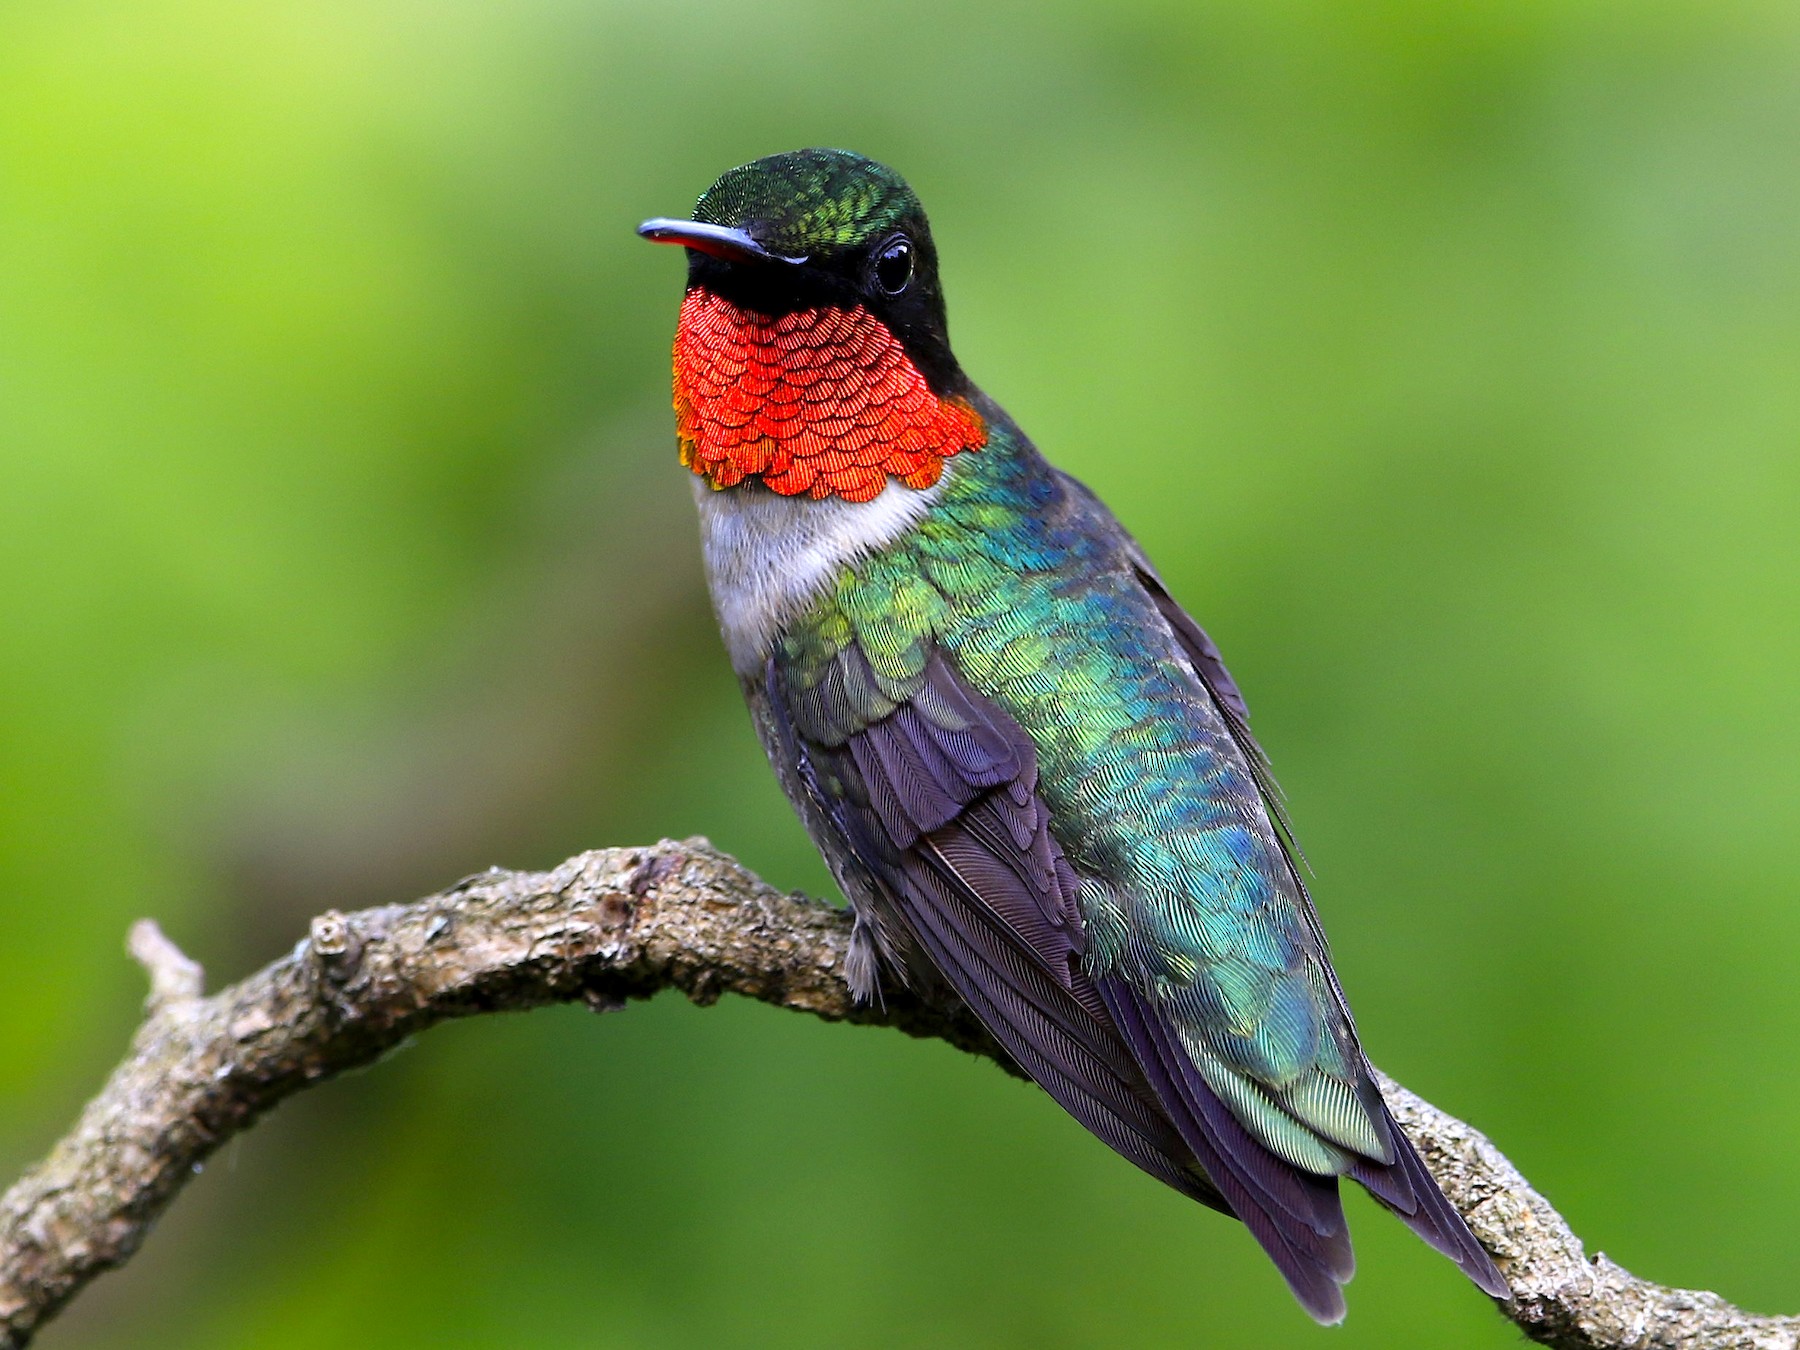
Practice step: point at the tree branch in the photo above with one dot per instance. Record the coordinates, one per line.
(608, 926)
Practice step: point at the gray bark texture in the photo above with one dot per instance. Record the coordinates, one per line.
(604, 927)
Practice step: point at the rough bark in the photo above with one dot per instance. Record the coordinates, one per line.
(605, 927)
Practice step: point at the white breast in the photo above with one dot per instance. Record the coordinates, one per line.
(769, 556)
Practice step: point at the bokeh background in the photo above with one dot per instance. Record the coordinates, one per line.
(1445, 355)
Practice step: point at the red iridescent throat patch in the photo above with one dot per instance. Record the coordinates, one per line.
(823, 401)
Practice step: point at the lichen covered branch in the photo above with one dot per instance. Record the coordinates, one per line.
(605, 927)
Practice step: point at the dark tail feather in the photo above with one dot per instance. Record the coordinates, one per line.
(1407, 1188)
(1296, 1217)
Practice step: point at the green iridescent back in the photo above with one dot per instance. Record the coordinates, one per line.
(1186, 890)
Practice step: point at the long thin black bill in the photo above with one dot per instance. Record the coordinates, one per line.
(721, 241)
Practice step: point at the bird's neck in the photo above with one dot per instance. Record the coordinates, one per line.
(822, 401)
(769, 558)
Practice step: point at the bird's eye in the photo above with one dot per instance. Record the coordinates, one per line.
(894, 265)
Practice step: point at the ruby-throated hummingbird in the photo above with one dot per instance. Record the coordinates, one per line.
(1025, 764)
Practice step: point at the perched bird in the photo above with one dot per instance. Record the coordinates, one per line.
(1025, 764)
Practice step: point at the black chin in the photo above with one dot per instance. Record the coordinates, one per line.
(773, 291)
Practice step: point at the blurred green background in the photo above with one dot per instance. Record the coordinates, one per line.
(1445, 356)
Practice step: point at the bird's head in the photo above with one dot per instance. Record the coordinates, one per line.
(812, 353)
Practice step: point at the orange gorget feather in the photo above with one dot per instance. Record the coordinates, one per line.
(823, 401)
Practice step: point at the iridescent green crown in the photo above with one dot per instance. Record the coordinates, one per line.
(807, 202)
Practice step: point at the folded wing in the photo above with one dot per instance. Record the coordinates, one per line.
(933, 790)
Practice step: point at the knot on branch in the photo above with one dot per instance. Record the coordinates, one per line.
(335, 945)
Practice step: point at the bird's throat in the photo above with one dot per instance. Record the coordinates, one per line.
(822, 401)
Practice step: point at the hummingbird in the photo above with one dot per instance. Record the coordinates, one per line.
(1024, 763)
